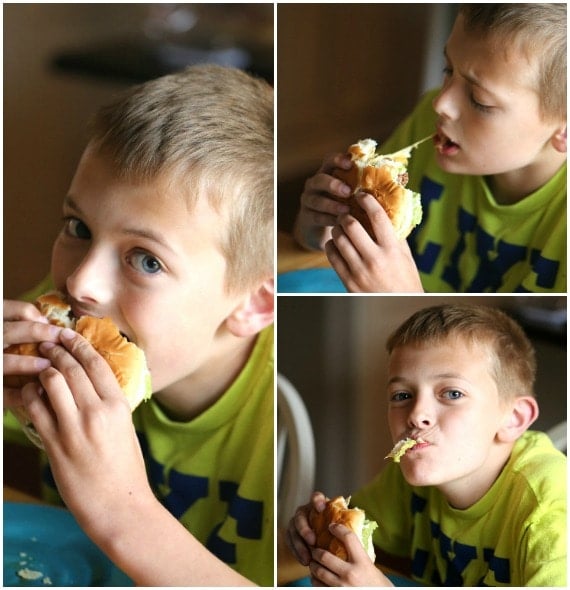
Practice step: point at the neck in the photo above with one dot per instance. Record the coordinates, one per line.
(511, 187)
(193, 395)
(464, 493)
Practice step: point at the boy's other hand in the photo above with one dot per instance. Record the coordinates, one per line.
(23, 323)
(319, 210)
(329, 570)
(300, 536)
(368, 266)
(85, 423)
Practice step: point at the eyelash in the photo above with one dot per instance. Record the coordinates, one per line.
(68, 221)
(402, 396)
(447, 71)
(134, 258)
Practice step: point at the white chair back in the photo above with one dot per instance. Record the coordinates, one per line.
(295, 451)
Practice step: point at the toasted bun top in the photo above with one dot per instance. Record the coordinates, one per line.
(125, 358)
(336, 511)
(385, 180)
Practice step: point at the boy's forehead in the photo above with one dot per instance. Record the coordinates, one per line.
(501, 53)
(454, 345)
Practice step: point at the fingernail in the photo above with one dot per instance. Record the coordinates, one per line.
(68, 334)
(41, 363)
(54, 331)
(345, 190)
(46, 347)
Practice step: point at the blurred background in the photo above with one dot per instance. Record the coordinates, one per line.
(63, 61)
(347, 72)
(332, 349)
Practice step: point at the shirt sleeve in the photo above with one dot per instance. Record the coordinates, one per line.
(543, 550)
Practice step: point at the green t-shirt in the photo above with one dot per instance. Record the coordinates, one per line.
(215, 473)
(514, 536)
(467, 242)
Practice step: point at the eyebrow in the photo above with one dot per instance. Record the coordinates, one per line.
(145, 233)
(447, 375)
(472, 79)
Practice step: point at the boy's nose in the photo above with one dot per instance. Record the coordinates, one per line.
(445, 104)
(421, 416)
(91, 282)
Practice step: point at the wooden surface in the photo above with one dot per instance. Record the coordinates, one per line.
(290, 256)
(14, 495)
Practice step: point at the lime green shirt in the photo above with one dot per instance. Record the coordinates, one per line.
(215, 473)
(514, 536)
(467, 242)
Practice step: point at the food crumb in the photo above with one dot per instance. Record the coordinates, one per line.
(28, 574)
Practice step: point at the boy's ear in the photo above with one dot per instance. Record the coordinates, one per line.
(255, 311)
(523, 412)
(559, 140)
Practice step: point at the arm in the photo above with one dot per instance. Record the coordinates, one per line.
(86, 426)
(319, 211)
(368, 266)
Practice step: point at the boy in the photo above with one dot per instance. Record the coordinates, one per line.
(168, 230)
(479, 500)
(493, 187)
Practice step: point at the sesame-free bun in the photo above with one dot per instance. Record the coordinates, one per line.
(385, 178)
(125, 358)
(337, 511)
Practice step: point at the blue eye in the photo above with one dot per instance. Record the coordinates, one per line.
(453, 394)
(145, 263)
(76, 228)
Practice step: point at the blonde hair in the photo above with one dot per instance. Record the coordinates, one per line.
(211, 129)
(512, 355)
(541, 31)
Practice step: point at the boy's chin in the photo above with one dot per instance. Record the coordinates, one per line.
(420, 476)
(452, 165)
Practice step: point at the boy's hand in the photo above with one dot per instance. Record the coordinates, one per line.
(329, 570)
(300, 536)
(366, 266)
(85, 424)
(23, 323)
(319, 211)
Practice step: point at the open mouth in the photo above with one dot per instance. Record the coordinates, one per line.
(445, 145)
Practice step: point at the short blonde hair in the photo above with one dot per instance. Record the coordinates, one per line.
(512, 355)
(541, 31)
(211, 129)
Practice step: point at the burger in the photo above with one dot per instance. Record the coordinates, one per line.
(384, 177)
(337, 511)
(126, 359)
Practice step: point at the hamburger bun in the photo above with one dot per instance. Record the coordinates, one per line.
(337, 511)
(385, 178)
(125, 358)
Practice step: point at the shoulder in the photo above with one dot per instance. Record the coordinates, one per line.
(537, 472)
